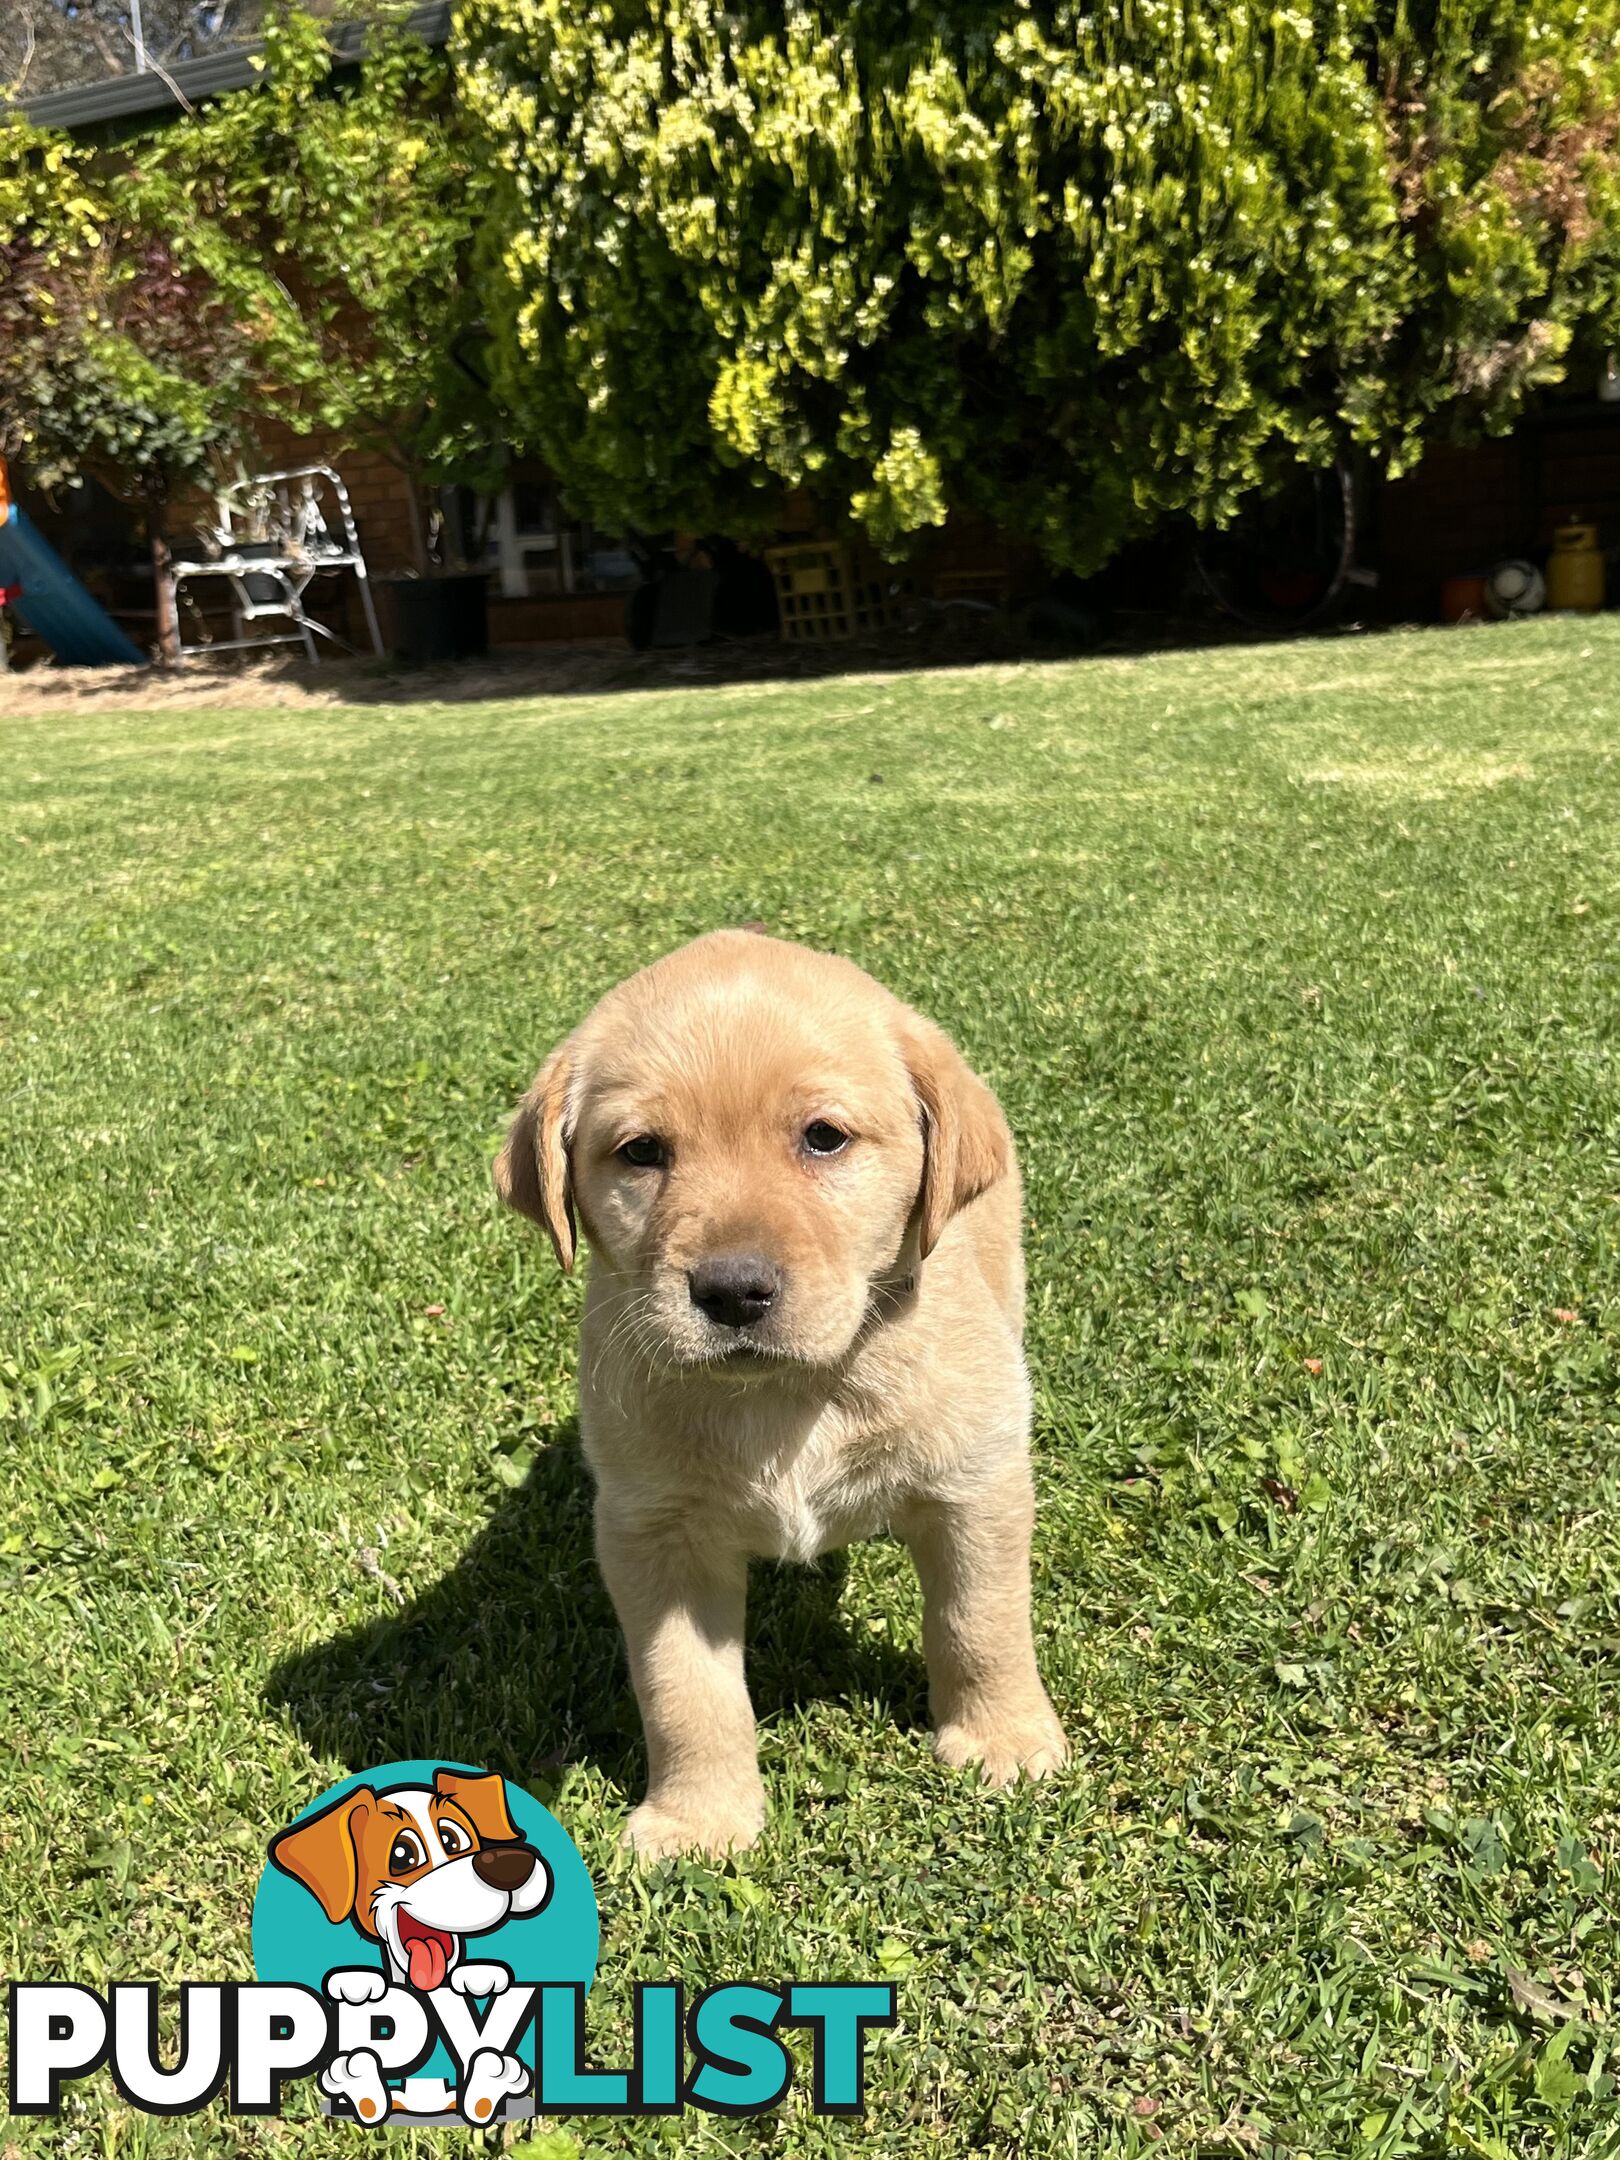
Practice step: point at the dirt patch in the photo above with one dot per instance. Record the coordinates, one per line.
(940, 638)
(265, 684)
(524, 671)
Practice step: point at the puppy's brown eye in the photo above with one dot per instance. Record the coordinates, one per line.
(645, 1152)
(821, 1138)
(405, 1853)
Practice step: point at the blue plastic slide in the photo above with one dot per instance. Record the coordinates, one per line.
(53, 603)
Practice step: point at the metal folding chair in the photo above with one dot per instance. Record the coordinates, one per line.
(273, 535)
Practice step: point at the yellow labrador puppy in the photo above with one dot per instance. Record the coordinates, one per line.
(804, 1322)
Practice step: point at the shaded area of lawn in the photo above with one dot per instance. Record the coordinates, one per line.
(1298, 972)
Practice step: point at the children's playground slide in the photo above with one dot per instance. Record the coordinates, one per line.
(50, 599)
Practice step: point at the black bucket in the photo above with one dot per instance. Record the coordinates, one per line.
(439, 618)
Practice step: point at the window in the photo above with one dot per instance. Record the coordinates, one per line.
(532, 548)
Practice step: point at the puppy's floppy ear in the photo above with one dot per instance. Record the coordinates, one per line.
(966, 1144)
(482, 1800)
(322, 1853)
(531, 1171)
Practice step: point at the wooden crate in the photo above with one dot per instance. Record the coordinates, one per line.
(835, 589)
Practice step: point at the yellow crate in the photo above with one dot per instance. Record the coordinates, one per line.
(831, 589)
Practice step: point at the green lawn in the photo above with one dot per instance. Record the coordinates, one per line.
(1298, 972)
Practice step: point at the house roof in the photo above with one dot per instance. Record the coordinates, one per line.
(121, 97)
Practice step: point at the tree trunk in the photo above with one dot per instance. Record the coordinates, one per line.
(414, 492)
(168, 619)
(419, 544)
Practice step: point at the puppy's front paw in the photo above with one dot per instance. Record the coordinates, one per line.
(659, 1829)
(358, 2079)
(1028, 1743)
(480, 1979)
(357, 1984)
(491, 2076)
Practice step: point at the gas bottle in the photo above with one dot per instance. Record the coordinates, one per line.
(1575, 569)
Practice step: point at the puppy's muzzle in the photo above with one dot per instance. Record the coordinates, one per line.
(504, 1867)
(735, 1290)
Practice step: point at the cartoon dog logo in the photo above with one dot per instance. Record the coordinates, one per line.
(419, 1870)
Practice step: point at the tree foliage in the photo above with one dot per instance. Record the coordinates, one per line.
(335, 215)
(293, 251)
(117, 359)
(319, 224)
(1077, 268)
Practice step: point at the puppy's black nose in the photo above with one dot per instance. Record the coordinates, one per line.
(737, 1290)
(504, 1867)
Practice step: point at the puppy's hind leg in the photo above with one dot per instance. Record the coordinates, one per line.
(682, 1607)
(984, 1690)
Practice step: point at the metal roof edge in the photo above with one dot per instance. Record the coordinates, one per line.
(121, 97)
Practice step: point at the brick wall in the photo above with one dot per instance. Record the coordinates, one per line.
(1465, 508)
(1456, 513)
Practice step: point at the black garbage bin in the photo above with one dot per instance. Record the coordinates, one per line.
(439, 618)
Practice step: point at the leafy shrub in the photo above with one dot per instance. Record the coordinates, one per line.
(335, 217)
(1078, 269)
(118, 359)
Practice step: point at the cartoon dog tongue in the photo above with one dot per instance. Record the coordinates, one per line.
(428, 1957)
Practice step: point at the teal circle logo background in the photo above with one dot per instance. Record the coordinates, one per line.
(294, 1941)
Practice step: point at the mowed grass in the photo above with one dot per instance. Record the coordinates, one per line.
(1298, 972)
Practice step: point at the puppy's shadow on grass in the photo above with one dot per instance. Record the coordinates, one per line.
(512, 1660)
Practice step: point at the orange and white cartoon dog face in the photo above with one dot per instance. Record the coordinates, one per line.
(418, 1869)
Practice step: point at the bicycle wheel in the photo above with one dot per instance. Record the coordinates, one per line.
(1285, 560)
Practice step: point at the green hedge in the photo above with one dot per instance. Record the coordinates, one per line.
(1079, 269)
